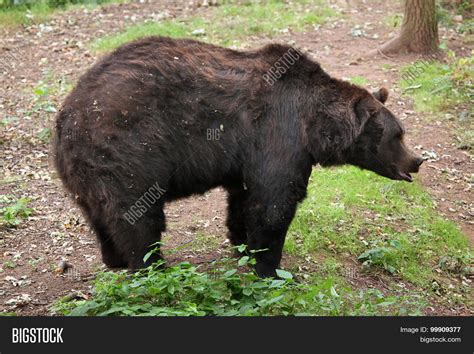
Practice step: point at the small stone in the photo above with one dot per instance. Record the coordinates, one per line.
(198, 32)
(62, 267)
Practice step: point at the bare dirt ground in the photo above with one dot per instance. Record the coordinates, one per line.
(30, 254)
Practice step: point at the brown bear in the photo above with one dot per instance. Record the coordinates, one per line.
(160, 119)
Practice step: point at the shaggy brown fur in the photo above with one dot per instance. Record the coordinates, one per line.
(139, 121)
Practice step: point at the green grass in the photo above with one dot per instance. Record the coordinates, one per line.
(230, 24)
(393, 21)
(437, 86)
(387, 66)
(440, 87)
(37, 13)
(389, 226)
(175, 29)
(359, 80)
(41, 11)
(467, 26)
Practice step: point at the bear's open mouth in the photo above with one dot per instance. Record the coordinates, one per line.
(399, 175)
(405, 176)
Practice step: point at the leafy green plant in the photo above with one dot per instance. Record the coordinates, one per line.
(41, 99)
(182, 290)
(457, 264)
(13, 211)
(385, 256)
(225, 289)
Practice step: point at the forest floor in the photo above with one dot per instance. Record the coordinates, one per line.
(43, 61)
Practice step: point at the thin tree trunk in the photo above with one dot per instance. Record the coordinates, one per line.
(419, 32)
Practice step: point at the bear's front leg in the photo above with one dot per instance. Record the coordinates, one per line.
(267, 224)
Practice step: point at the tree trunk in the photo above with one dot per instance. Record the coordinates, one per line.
(419, 33)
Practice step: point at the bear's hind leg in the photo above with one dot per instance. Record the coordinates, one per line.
(235, 216)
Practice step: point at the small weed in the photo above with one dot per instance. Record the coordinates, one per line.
(394, 21)
(359, 80)
(9, 264)
(385, 256)
(41, 99)
(387, 66)
(12, 210)
(467, 26)
(44, 135)
(8, 120)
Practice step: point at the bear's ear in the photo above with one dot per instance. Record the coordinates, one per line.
(381, 95)
(366, 107)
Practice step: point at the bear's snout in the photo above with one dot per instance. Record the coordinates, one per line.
(416, 164)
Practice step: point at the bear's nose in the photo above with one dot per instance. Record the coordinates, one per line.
(419, 161)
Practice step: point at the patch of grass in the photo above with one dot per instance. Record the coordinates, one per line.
(22, 15)
(438, 87)
(359, 80)
(443, 14)
(13, 211)
(169, 28)
(230, 23)
(467, 26)
(445, 10)
(45, 97)
(9, 264)
(204, 242)
(40, 11)
(254, 19)
(387, 66)
(465, 139)
(394, 21)
(8, 120)
(389, 226)
(44, 135)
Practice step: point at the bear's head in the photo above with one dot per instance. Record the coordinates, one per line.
(379, 145)
(354, 127)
